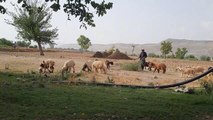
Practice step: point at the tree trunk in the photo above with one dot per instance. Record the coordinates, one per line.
(133, 49)
(40, 48)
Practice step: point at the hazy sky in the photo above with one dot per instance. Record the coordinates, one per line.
(136, 21)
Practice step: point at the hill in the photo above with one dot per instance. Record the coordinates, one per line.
(195, 47)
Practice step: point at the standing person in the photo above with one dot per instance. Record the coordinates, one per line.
(14, 45)
(142, 57)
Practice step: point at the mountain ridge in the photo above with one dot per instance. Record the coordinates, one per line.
(195, 47)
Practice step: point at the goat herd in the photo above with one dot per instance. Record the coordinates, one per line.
(188, 71)
(47, 66)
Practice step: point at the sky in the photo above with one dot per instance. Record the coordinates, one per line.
(134, 22)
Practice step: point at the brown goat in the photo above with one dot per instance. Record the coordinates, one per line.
(157, 67)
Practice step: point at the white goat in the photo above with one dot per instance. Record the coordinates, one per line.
(68, 65)
(99, 65)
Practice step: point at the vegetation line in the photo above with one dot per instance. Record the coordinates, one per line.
(160, 86)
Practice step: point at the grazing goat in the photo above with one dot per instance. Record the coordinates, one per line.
(147, 65)
(198, 69)
(68, 65)
(186, 71)
(108, 63)
(88, 66)
(157, 67)
(50, 62)
(47, 65)
(99, 65)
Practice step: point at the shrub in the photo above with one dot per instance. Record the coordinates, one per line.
(151, 84)
(110, 80)
(191, 57)
(180, 53)
(23, 43)
(111, 50)
(205, 58)
(208, 85)
(153, 55)
(5, 42)
(130, 66)
(171, 56)
(35, 46)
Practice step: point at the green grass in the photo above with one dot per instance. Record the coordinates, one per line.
(26, 97)
(130, 66)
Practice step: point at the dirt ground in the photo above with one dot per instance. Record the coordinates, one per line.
(30, 61)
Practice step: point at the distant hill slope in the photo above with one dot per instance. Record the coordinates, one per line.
(194, 47)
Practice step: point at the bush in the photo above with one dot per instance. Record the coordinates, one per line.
(111, 50)
(180, 53)
(171, 56)
(208, 85)
(5, 42)
(35, 46)
(23, 43)
(205, 58)
(191, 57)
(130, 66)
(153, 55)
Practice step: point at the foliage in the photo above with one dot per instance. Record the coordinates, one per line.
(153, 55)
(83, 9)
(205, 58)
(180, 53)
(133, 48)
(23, 43)
(191, 57)
(2, 9)
(21, 93)
(111, 50)
(110, 80)
(34, 24)
(33, 46)
(166, 48)
(171, 56)
(84, 42)
(151, 84)
(208, 85)
(52, 45)
(130, 66)
(5, 42)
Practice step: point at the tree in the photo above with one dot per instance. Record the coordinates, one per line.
(5, 42)
(111, 50)
(153, 55)
(52, 45)
(84, 42)
(23, 43)
(133, 48)
(166, 48)
(34, 24)
(191, 57)
(180, 53)
(205, 58)
(83, 9)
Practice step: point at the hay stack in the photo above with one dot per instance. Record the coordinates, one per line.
(118, 55)
(106, 54)
(98, 55)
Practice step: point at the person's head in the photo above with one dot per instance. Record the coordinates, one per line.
(142, 50)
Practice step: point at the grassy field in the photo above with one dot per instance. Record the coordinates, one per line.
(24, 62)
(28, 96)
